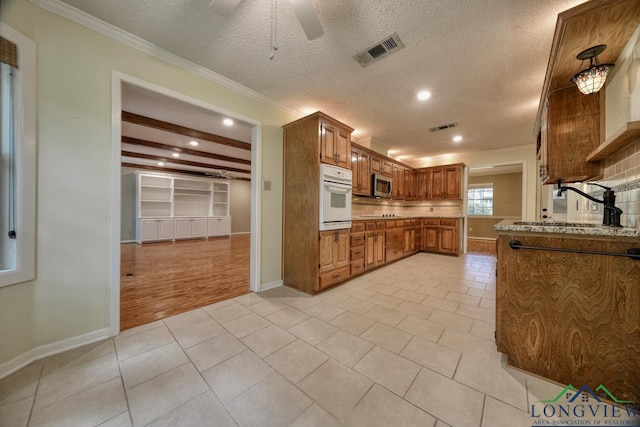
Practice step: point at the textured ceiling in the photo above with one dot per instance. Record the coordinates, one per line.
(483, 61)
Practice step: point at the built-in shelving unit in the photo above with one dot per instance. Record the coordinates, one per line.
(623, 136)
(174, 207)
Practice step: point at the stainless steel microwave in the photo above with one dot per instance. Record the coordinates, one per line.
(382, 186)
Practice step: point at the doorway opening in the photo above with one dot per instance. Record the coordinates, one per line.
(185, 203)
(494, 193)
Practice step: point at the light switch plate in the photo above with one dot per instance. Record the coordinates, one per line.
(267, 186)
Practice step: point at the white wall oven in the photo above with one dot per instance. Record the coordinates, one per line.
(335, 197)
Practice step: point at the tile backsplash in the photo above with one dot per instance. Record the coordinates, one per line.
(362, 206)
(622, 173)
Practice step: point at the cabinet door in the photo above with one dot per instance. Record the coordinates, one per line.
(387, 168)
(198, 227)
(369, 250)
(165, 229)
(437, 184)
(452, 182)
(149, 229)
(398, 181)
(448, 240)
(328, 137)
(355, 171)
(225, 226)
(182, 228)
(343, 149)
(342, 249)
(430, 238)
(327, 246)
(364, 177)
(376, 164)
(409, 184)
(379, 248)
(422, 185)
(213, 226)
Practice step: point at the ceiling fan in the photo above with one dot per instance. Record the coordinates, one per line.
(302, 8)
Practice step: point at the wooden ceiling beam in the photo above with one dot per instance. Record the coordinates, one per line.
(136, 141)
(180, 161)
(182, 130)
(172, 170)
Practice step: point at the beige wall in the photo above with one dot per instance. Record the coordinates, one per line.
(70, 294)
(240, 206)
(507, 202)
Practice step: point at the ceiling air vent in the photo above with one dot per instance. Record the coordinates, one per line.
(373, 53)
(443, 127)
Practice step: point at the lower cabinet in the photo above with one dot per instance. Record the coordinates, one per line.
(357, 248)
(441, 235)
(190, 228)
(394, 239)
(154, 229)
(220, 226)
(334, 257)
(374, 249)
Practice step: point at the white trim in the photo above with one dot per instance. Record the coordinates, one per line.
(240, 233)
(47, 350)
(128, 241)
(76, 15)
(26, 160)
(482, 238)
(271, 285)
(117, 78)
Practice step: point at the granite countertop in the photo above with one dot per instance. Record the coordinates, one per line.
(566, 228)
(377, 217)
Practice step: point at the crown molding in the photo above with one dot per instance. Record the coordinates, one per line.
(76, 15)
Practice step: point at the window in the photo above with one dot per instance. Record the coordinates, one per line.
(480, 199)
(17, 161)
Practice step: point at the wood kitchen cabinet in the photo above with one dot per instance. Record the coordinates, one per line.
(360, 168)
(411, 233)
(409, 184)
(398, 181)
(374, 250)
(394, 240)
(306, 143)
(335, 143)
(441, 235)
(569, 132)
(439, 183)
(357, 250)
(381, 166)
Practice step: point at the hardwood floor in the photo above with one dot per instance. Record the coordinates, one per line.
(482, 247)
(159, 280)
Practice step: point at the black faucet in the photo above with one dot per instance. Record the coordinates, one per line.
(612, 213)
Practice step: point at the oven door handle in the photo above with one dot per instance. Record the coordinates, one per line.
(335, 189)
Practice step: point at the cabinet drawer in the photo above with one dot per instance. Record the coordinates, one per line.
(453, 222)
(380, 225)
(400, 223)
(357, 253)
(357, 239)
(431, 221)
(333, 277)
(357, 227)
(370, 226)
(394, 253)
(390, 224)
(357, 267)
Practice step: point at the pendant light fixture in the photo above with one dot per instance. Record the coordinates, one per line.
(591, 79)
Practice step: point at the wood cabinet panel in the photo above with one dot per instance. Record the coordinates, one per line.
(572, 318)
(409, 184)
(374, 249)
(430, 238)
(334, 250)
(448, 240)
(335, 144)
(439, 182)
(441, 235)
(360, 168)
(570, 134)
(334, 277)
(398, 181)
(381, 166)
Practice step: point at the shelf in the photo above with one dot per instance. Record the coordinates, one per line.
(155, 186)
(190, 195)
(155, 201)
(621, 138)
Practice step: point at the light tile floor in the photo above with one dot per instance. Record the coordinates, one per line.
(409, 344)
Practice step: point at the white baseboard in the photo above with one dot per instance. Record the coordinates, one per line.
(128, 241)
(240, 232)
(270, 285)
(46, 350)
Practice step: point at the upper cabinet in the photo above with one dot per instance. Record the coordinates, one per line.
(439, 183)
(569, 124)
(381, 166)
(335, 143)
(398, 181)
(360, 167)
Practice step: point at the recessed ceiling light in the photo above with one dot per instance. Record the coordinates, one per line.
(457, 138)
(176, 155)
(424, 95)
(227, 122)
(193, 143)
(160, 163)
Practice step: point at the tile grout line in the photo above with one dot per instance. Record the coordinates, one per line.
(124, 389)
(35, 392)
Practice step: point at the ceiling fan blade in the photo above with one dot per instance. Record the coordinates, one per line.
(224, 7)
(308, 18)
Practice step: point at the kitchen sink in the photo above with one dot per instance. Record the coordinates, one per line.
(555, 224)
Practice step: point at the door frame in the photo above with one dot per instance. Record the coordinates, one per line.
(117, 79)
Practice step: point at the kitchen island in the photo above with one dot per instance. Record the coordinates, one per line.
(568, 310)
